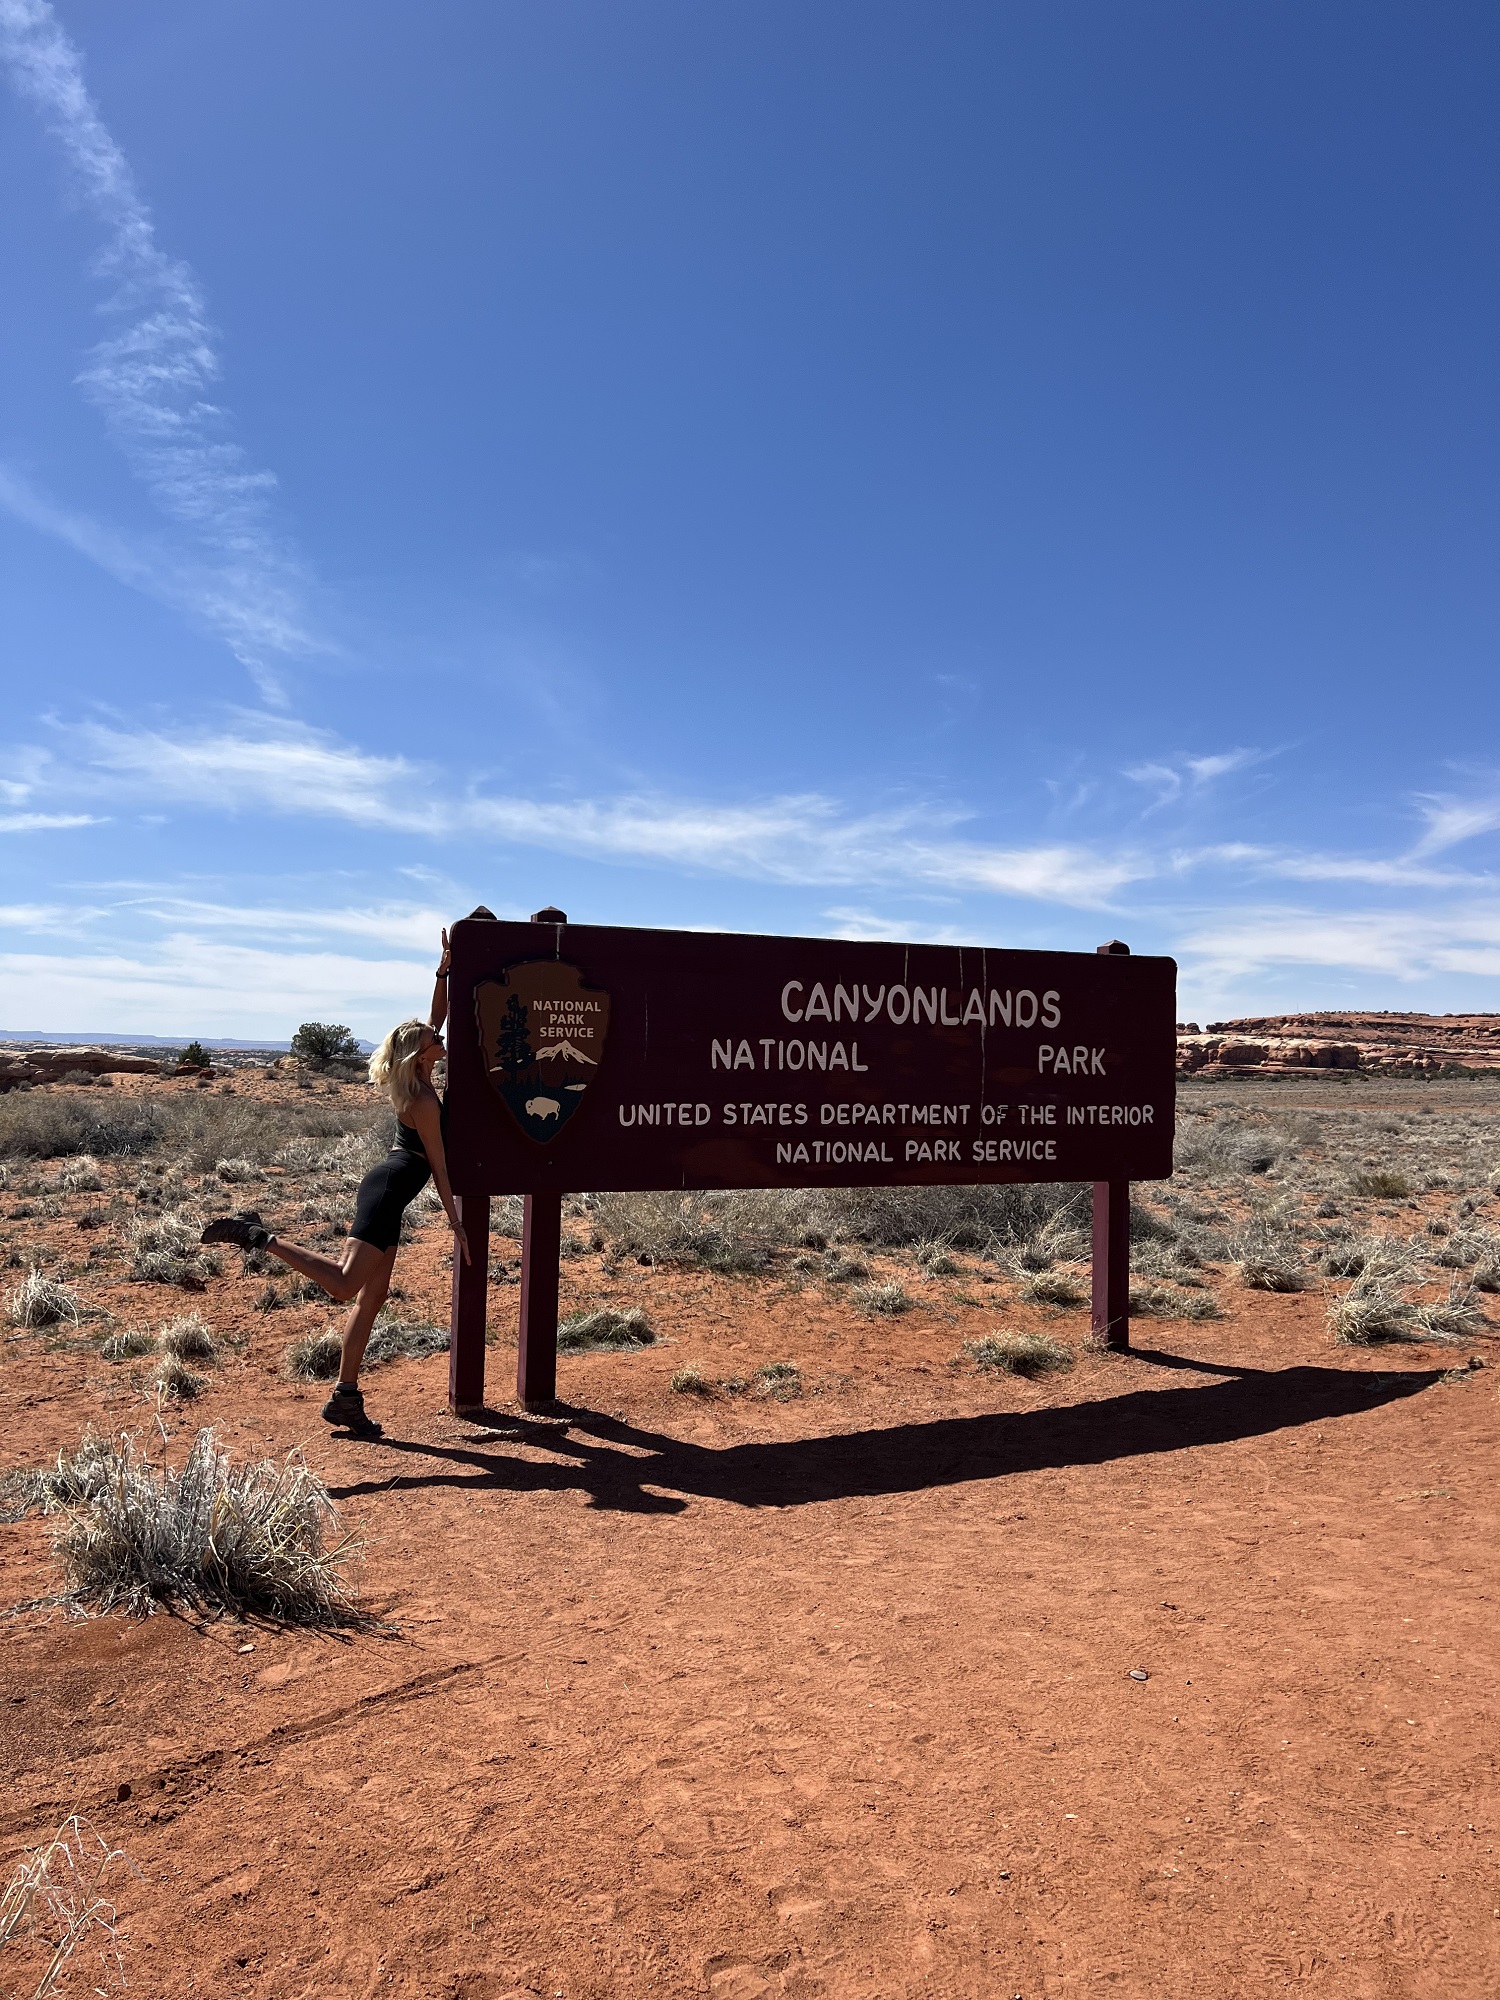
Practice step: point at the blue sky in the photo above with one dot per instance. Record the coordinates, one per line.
(999, 473)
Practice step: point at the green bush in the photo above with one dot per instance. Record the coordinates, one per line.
(320, 1042)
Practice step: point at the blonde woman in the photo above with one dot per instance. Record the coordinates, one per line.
(402, 1066)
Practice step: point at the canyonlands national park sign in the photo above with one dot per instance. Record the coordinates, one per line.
(584, 1057)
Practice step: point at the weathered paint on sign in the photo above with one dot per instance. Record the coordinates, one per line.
(584, 1057)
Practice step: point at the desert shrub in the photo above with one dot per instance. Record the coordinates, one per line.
(126, 1345)
(194, 1056)
(268, 1298)
(1266, 1262)
(315, 1357)
(778, 1381)
(733, 1231)
(880, 1300)
(188, 1338)
(47, 1125)
(604, 1330)
(965, 1218)
(1167, 1302)
(319, 1043)
(1485, 1277)
(840, 1268)
(1228, 1145)
(1028, 1354)
(691, 1382)
(937, 1260)
(250, 1539)
(1374, 1310)
(395, 1339)
(165, 1250)
(1052, 1288)
(235, 1171)
(39, 1301)
(1380, 1183)
(79, 1175)
(1458, 1317)
(1154, 1258)
(176, 1380)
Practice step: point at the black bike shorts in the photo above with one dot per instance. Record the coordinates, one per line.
(384, 1194)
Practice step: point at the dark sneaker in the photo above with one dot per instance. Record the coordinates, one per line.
(247, 1231)
(345, 1408)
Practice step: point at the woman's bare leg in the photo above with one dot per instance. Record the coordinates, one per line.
(340, 1277)
(367, 1304)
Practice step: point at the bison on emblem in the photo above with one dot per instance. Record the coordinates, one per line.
(542, 1031)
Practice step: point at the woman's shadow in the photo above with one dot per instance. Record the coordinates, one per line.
(623, 1467)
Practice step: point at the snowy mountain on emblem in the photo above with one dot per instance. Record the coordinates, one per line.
(565, 1049)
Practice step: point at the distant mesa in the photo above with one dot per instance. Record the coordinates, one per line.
(1375, 1044)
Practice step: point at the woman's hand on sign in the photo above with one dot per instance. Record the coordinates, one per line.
(447, 958)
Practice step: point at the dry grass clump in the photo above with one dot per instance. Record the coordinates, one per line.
(937, 1260)
(253, 1539)
(1229, 1145)
(39, 1301)
(235, 1171)
(315, 1357)
(880, 1300)
(165, 1250)
(777, 1382)
(1269, 1263)
(1028, 1354)
(395, 1339)
(81, 1175)
(691, 1382)
(604, 1331)
(188, 1338)
(1168, 1302)
(733, 1231)
(128, 1344)
(176, 1381)
(54, 1904)
(1380, 1183)
(1375, 1309)
(1052, 1288)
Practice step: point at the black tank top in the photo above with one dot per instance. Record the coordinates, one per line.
(409, 1140)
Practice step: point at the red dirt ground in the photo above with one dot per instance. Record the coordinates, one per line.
(825, 1698)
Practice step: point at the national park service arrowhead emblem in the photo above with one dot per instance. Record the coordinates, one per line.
(542, 1031)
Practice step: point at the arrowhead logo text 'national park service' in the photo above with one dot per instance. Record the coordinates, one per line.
(542, 1031)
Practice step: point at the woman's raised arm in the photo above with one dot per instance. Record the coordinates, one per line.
(439, 1012)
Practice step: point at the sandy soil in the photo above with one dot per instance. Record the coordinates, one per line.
(829, 1697)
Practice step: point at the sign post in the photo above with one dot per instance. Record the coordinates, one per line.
(588, 1057)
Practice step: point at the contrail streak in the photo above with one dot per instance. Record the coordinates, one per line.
(151, 382)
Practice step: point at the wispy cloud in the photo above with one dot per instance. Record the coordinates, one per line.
(1173, 779)
(804, 839)
(40, 822)
(153, 383)
(1406, 945)
(1450, 821)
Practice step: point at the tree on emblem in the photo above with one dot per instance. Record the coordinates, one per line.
(512, 1047)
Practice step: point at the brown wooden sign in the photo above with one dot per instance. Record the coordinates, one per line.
(584, 1057)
